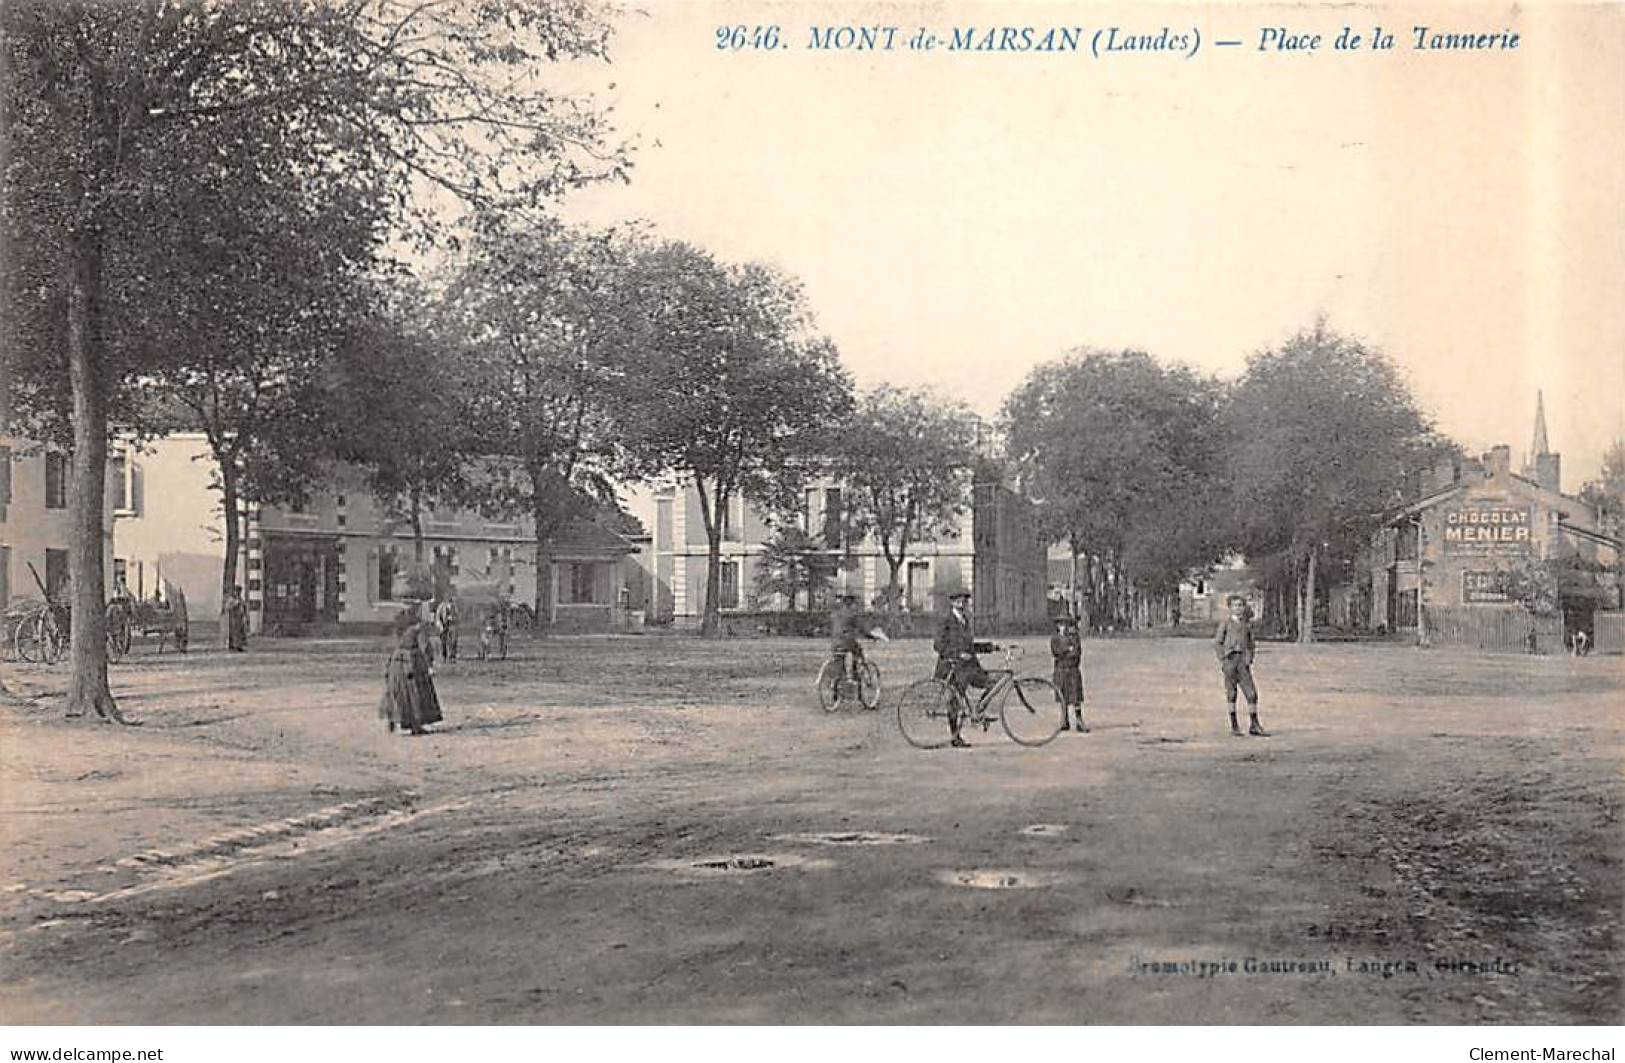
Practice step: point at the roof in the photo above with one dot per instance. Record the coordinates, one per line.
(581, 539)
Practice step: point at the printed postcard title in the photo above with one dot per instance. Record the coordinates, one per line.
(1102, 42)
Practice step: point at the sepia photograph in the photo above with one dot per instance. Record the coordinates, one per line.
(694, 513)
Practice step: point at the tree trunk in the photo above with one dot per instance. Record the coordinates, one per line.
(711, 511)
(1072, 582)
(229, 508)
(1306, 604)
(87, 686)
(415, 501)
(543, 603)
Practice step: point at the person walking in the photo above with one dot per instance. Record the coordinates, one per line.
(1234, 646)
(446, 617)
(1066, 647)
(235, 614)
(410, 701)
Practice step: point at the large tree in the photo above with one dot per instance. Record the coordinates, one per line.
(1122, 454)
(734, 391)
(116, 114)
(540, 318)
(1323, 434)
(401, 405)
(904, 458)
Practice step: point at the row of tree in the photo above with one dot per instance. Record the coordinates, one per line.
(1152, 473)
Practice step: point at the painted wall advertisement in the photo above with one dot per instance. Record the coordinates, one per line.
(1487, 529)
(1478, 588)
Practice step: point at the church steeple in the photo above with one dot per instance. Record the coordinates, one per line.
(1543, 467)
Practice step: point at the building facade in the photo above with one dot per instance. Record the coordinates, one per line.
(994, 551)
(1442, 565)
(340, 559)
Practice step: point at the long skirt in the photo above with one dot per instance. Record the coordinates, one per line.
(409, 700)
(1069, 681)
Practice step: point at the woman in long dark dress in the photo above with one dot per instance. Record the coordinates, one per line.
(1067, 648)
(410, 701)
(236, 621)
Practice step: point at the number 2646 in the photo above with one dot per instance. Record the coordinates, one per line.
(735, 38)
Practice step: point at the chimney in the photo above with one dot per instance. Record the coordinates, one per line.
(1498, 462)
(1549, 472)
(1444, 474)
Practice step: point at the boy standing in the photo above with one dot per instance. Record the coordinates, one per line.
(1067, 649)
(1233, 645)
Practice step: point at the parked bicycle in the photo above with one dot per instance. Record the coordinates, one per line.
(836, 683)
(1028, 708)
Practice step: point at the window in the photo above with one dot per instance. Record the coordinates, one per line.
(5, 475)
(919, 585)
(1406, 542)
(119, 468)
(832, 518)
(583, 584)
(809, 519)
(730, 529)
(388, 565)
(728, 586)
(56, 481)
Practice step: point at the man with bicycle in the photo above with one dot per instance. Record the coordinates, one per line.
(957, 648)
(845, 628)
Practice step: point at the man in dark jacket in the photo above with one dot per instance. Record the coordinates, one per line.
(957, 648)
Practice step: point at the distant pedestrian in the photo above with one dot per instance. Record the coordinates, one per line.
(410, 701)
(1234, 646)
(235, 614)
(1066, 646)
(446, 616)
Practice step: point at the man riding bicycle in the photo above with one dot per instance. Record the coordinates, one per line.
(845, 628)
(957, 648)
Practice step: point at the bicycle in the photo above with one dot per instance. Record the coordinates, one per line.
(42, 635)
(1029, 708)
(835, 683)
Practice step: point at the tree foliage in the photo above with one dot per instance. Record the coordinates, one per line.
(1124, 456)
(795, 565)
(541, 320)
(904, 459)
(733, 389)
(1323, 435)
(121, 122)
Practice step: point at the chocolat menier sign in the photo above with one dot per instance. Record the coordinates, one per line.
(1487, 528)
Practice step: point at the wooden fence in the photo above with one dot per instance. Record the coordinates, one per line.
(1610, 633)
(1491, 628)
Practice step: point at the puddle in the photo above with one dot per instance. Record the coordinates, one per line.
(1134, 897)
(853, 837)
(997, 879)
(1045, 830)
(723, 864)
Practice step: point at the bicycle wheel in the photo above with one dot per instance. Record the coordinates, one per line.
(922, 713)
(1031, 711)
(869, 685)
(829, 684)
(26, 640)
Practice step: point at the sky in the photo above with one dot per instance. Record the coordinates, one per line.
(959, 217)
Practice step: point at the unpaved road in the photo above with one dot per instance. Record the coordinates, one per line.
(659, 829)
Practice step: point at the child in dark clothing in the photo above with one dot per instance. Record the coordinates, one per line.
(1067, 649)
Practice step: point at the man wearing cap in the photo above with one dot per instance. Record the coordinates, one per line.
(956, 657)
